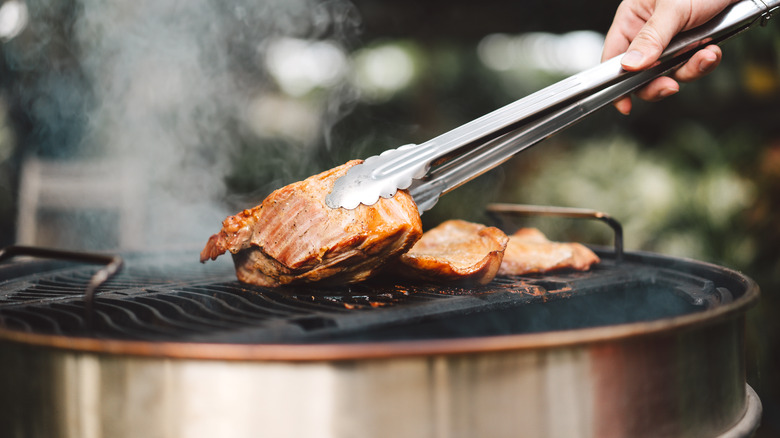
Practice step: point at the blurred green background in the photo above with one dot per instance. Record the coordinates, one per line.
(212, 106)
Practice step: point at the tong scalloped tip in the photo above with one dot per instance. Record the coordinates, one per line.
(365, 183)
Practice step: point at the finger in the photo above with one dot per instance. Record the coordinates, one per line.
(623, 105)
(701, 63)
(624, 26)
(614, 45)
(630, 17)
(654, 36)
(658, 89)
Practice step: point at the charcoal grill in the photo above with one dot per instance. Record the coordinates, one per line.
(641, 345)
(168, 298)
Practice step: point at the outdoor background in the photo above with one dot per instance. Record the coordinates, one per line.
(139, 125)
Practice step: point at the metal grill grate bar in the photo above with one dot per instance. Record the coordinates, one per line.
(181, 300)
(240, 301)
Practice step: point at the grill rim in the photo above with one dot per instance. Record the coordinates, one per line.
(413, 348)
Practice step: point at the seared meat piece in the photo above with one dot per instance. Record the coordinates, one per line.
(456, 251)
(530, 251)
(293, 237)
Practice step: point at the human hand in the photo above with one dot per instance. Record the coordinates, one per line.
(643, 28)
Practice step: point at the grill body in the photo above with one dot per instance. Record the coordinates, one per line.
(413, 373)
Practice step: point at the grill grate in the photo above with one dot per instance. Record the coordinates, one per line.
(171, 297)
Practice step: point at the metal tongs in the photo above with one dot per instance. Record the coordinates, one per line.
(444, 163)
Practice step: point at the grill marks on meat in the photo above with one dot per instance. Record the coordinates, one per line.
(465, 252)
(456, 251)
(293, 237)
(529, 251)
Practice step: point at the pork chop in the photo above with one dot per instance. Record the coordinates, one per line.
(294, 237)
(529, 251)
(456, 251)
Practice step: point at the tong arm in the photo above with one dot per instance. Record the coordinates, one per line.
(382, 175)
(476, 161)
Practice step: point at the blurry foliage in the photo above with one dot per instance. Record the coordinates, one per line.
(664, 207)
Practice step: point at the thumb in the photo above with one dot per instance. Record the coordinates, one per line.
(652, 39)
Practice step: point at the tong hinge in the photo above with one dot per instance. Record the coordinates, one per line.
(768, 11)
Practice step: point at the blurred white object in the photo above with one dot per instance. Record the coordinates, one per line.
(72, 186)
(563, 54)
(13, 19)
(299, 66)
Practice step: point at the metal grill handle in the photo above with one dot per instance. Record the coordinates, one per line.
(113, 263)
(569, 212)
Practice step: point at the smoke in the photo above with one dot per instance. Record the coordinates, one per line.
(167, 88)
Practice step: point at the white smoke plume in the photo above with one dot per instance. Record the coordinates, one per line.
(172, 84)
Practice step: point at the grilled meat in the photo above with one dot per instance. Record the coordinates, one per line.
(529, 251)
(293, 237)
(455, 251)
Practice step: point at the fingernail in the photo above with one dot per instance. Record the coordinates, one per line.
(706, 64)
(632, 59)
(666, 92)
